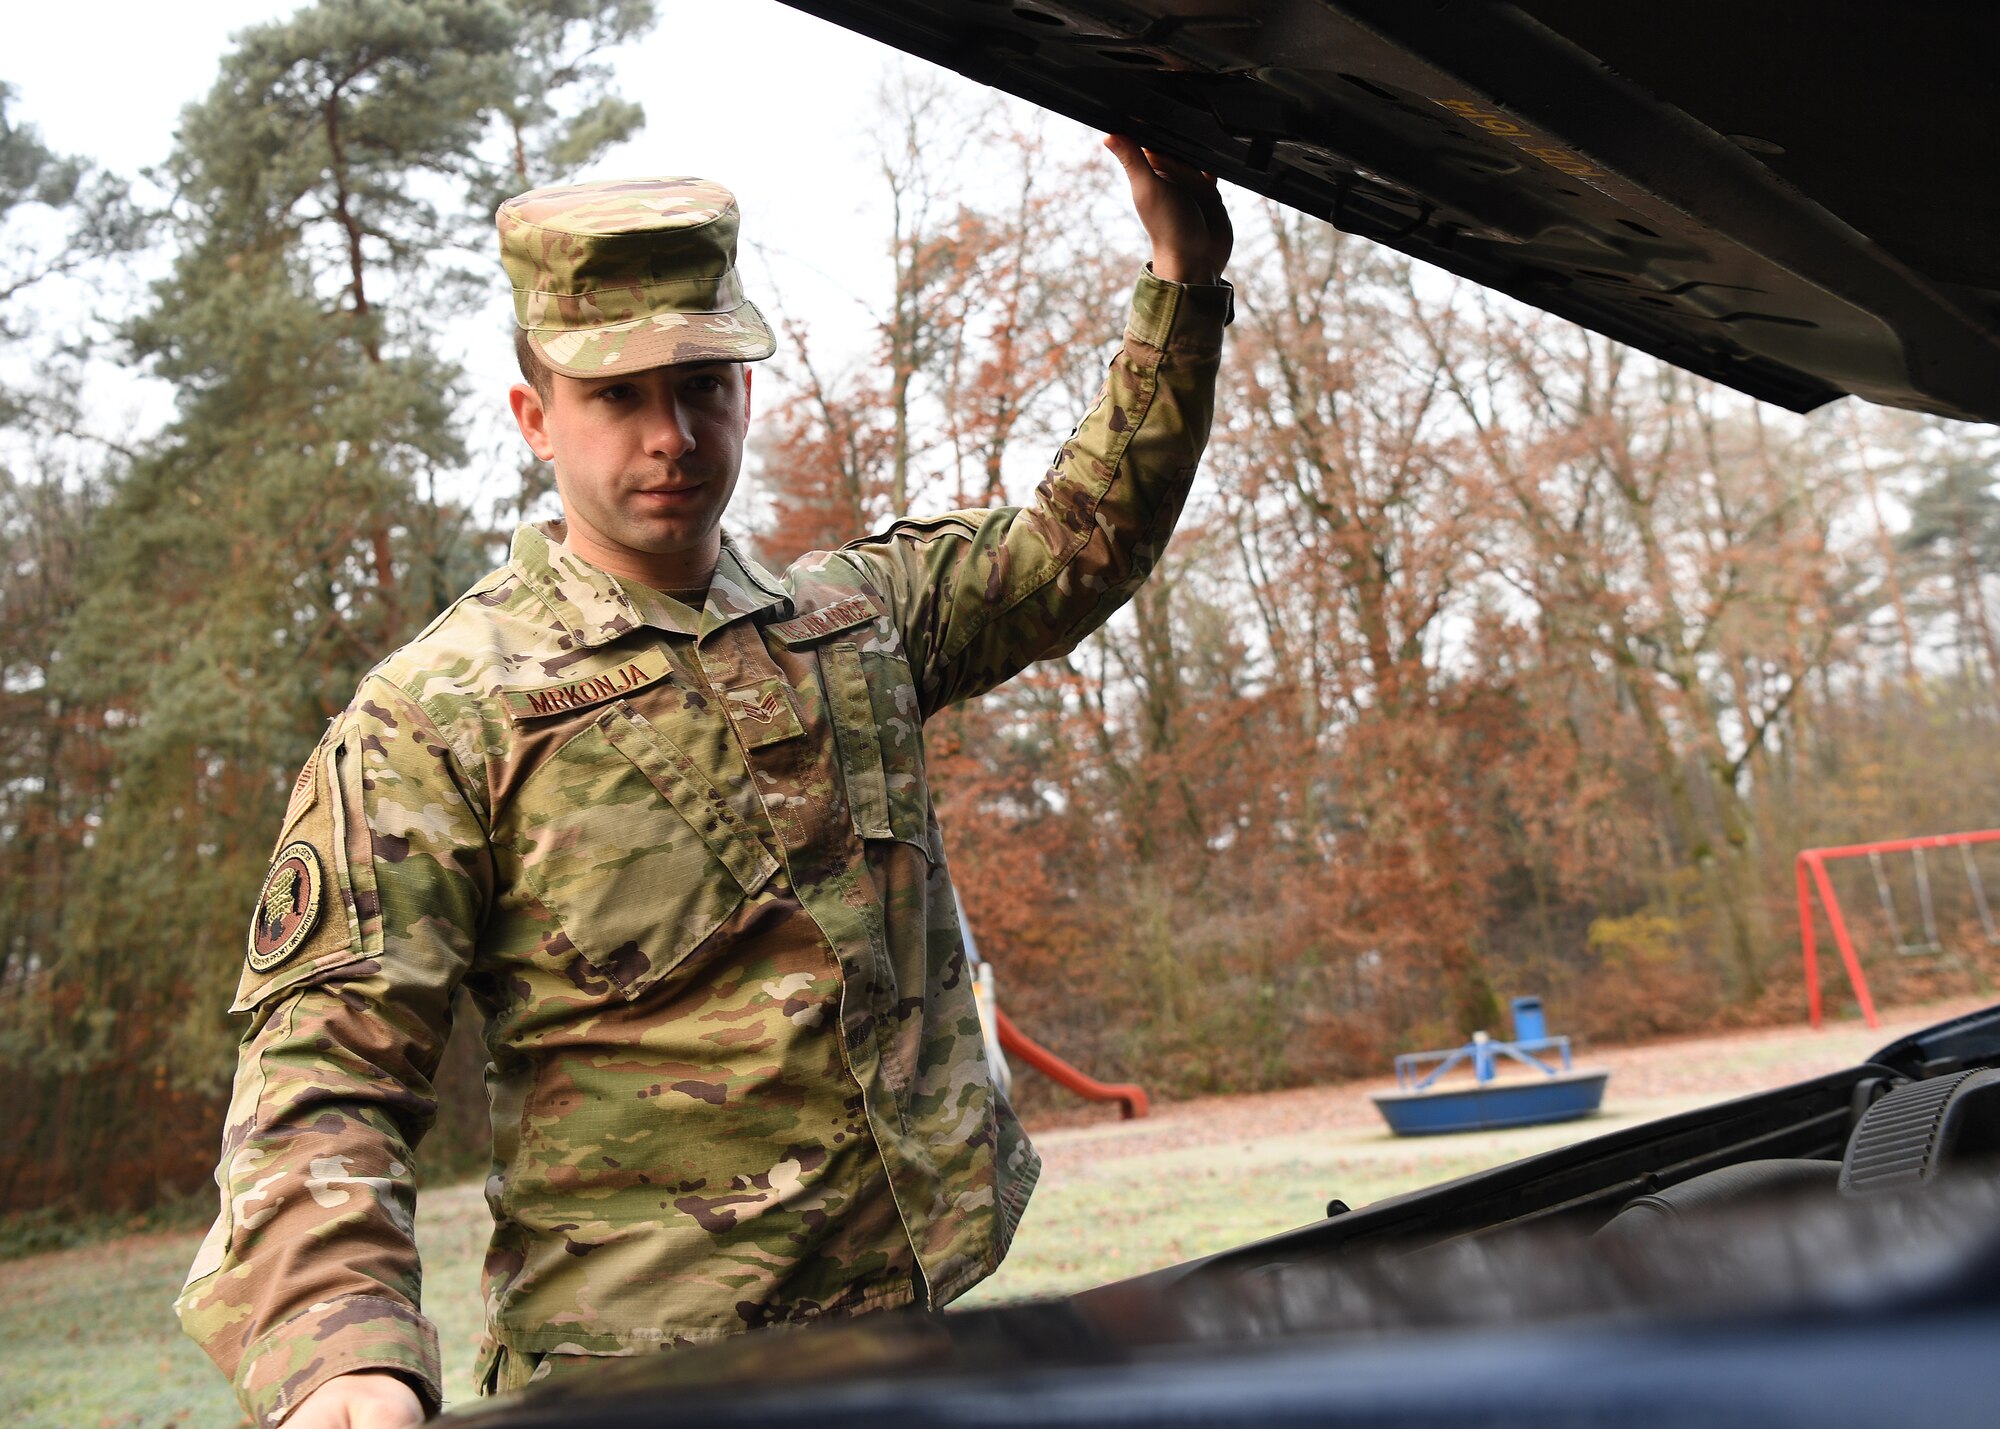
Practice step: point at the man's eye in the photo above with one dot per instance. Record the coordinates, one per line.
(616, 392)
(705, 383)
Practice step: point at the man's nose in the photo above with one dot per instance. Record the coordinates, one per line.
(668, 432)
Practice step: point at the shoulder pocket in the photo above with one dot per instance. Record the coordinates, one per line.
(306, 920)
(634, 850)
(880, 730)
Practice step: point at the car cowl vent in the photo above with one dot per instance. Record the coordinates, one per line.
(1911, 1135)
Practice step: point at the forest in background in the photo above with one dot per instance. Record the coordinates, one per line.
(1491, 657)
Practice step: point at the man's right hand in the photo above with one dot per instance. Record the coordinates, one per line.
(1182, 212)
(365, 1399)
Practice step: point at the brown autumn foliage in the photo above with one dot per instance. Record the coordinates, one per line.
(1490, 658)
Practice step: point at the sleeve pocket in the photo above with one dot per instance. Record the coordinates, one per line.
(304, 920)
(860, 747)
(879, 727)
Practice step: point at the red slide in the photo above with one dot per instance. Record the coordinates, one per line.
(1016, 1043)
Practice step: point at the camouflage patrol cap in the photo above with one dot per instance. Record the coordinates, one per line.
(627, 274)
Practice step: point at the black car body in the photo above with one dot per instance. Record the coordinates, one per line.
(1826, 1255)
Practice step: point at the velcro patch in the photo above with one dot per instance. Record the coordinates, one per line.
(288, 906)
(305, 793)
(815, 624)
(762, 713)
(646, 668)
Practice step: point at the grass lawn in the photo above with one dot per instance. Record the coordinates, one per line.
(88, 1339)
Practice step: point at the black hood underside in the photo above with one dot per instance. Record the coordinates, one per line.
(1797, 201)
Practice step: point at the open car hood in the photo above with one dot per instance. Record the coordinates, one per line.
(1795, 201)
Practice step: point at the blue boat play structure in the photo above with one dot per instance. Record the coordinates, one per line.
(1419, 1107)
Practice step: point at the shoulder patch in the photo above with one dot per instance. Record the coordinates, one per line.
(304, 921)
(828, 619)
(288, 906)
(304, 790)
(648, 667)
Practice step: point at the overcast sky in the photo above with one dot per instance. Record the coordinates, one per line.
(772, 102)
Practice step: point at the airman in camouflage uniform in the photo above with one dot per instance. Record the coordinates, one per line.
(683, 856)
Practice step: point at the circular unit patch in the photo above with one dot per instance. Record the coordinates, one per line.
(287, 907)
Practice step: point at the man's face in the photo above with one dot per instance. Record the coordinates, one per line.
(645, 462)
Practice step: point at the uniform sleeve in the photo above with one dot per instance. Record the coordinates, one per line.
(363, 928)
(978, 595)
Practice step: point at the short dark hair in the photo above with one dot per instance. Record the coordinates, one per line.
(534, 370)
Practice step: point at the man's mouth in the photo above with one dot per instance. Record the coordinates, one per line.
(668, 495)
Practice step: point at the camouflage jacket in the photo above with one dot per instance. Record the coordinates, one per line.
(686, 863)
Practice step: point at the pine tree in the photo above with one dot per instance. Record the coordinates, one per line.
(331, 221)
(64, 225)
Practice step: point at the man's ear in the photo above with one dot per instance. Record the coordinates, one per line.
(532, 417)
(748, 373)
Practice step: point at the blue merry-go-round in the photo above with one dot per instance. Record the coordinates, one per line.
(1421, 1107)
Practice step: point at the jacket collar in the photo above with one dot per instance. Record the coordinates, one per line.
(594, 607)
(742, 587)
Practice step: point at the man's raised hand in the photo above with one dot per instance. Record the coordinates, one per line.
(1182, 212)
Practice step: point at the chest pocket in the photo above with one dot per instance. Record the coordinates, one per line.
(873, 700)
(634, 850)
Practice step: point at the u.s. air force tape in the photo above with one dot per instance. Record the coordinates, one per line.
(287, 907)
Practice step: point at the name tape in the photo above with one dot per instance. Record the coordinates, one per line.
(641, 670)
(826, 620)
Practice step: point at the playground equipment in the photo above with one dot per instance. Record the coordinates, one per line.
(1003, 1037)
(1418, 1108)
(1810, 868)
(1132, 1101)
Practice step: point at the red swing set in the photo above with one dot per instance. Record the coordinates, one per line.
(1811, 871)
